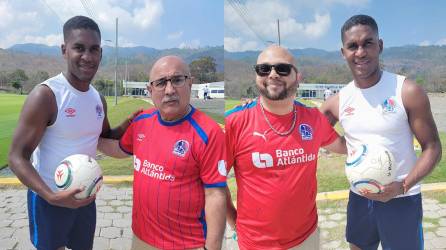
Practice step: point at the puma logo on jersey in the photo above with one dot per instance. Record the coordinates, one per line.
(140, 137)
(262, 160)
(255, 133)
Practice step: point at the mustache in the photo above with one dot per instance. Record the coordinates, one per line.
(274, 82)
(171, 98)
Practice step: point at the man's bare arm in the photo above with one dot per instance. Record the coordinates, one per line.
(215, 209)
(110, 147)
(29, 132)
(330, 108)
(423, 126)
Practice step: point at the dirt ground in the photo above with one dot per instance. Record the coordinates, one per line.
(438, 107)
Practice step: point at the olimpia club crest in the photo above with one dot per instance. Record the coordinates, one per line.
(180, 148)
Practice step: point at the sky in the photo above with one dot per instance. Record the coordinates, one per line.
(252, 24)
(151, 23)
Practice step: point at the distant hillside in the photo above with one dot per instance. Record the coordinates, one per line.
(133, 55)
(35, 58)
(424, 64)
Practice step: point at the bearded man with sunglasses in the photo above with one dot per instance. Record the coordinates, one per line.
(273, 144)
(179, 199)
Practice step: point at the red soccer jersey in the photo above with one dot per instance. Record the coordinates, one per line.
(276, 175)
(173, 163)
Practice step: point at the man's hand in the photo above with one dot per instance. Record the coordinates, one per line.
(246, 102)
(66, 199)
(389, 192)
(124, 125)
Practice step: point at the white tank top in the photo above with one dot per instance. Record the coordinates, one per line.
(75, 131)
(376, 115)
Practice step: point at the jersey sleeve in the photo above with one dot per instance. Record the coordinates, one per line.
(328, 134)
(126, 141)
(213, 160)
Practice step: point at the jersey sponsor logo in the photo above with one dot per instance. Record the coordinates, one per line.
(255, 133)
(349, 111)
(180, 148)
(70, 112)
(152, 170)
(306, 132)
(222, 167)
(99, 111)
(293, 156)
(282, 158)
(262, 160)
(140, 137)
(389, 105)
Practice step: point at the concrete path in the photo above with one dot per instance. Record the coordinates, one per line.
(114, 206)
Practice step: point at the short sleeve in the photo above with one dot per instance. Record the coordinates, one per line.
(213, 160)
(126, 141)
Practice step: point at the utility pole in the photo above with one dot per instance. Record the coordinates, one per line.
(116, 64)
(126, 78)
(278, 30)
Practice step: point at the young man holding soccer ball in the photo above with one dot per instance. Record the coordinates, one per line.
(383, 108)
(62, 116)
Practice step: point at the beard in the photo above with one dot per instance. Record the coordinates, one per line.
(277, 96)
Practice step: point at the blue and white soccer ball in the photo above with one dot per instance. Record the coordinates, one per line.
(370, 167)
(76, 171)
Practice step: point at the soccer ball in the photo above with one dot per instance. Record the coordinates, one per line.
(369, 168)
(76, 171)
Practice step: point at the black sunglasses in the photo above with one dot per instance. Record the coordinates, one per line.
(283, 69)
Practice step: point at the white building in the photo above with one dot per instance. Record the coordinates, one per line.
(135, 88)
(216, 90)
(316, 90)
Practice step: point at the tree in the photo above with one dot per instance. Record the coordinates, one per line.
(40, 76)
(17, 78)
(204, 69)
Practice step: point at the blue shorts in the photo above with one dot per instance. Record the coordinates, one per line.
(397, 224)
(51, 227)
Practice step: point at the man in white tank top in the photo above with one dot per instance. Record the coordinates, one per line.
(379, 107)
(64, 115)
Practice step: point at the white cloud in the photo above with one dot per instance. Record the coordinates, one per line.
(6, 14)
(175, 35)
(50, 40)
(262, 18)
(441, 42)
(41, 21)
(234, 44)
(425, 43)
(194, 44)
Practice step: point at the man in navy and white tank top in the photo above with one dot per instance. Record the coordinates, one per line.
(383, 108)
(62, 116)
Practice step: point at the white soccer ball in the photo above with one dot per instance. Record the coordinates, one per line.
(79, 171)
(369, 168)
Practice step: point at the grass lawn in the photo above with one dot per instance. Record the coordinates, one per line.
(116, 114)
(10, 107)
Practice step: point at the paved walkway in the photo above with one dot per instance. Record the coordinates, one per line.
(114, 206)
